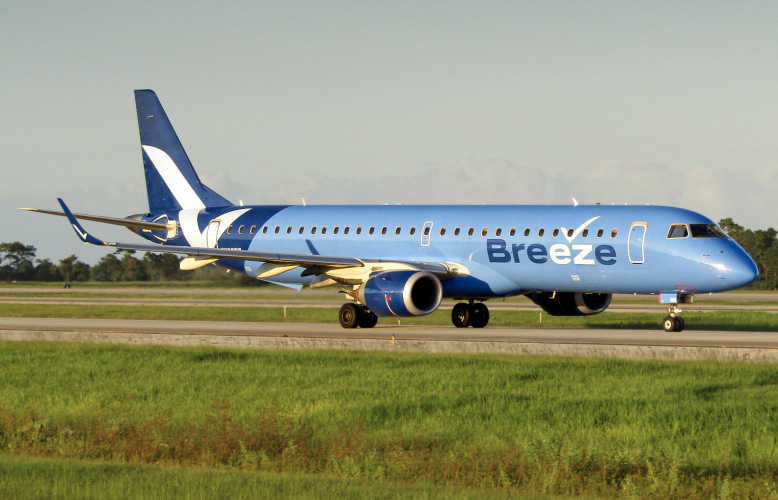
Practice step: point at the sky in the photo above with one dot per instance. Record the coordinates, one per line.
(341, 102)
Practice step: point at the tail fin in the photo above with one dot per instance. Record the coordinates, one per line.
(171, 181)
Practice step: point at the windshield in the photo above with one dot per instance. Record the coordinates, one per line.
(678, 231)
(706, 231)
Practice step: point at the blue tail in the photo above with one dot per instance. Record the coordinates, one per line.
(171, 181)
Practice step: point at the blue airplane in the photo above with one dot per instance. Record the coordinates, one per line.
(395, 260)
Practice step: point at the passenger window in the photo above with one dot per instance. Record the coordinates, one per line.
(456, 231)
(614, 232)
(426, 230)
(526, 232)
(371, 230)
(302, 229)
(584, 233)
(484, 231)
(541, 232)
(383, 230)
(678, 231)
(335, 229)
(241, 228)
(513, 232)
(397, 231)
(313, 229)
(600, 232)
(345, 230)
(470, 231)
(277, 229)
(555, 232)
(498, 231)
(570, 233)
(264, 229)
(253, 230)
(412, 231)
(229, 229)
(324, 230)
(359, 229)
(442, 231)
(288, 229)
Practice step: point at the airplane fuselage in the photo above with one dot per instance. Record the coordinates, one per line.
(508, 250)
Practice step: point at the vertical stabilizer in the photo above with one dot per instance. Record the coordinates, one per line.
(171, 181)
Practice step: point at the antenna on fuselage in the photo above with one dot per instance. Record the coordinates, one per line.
(575, 202)
(303, 201)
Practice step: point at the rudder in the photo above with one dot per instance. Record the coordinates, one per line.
(171, 180)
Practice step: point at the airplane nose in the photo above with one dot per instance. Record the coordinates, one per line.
(743, 271)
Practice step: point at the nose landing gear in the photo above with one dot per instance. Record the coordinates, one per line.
(673, 323)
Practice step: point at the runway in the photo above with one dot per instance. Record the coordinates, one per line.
(629, 344)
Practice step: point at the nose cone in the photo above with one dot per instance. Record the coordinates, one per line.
(743, 270)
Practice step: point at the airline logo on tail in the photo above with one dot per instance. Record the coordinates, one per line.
(189, 200)
(173, 178)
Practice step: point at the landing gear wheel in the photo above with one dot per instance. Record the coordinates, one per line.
(674, 324)
(368, 319)
(460, 315)
(479, 315)
(350, 315)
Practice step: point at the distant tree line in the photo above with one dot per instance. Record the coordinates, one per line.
(18, 263)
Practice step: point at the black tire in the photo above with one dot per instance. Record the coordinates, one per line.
(681, 324)
(670, 324)
(479, 316)
(460, 315)
(350, 315)
(368, 319)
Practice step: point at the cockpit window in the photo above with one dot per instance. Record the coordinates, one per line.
(706, 231)
(678, 231)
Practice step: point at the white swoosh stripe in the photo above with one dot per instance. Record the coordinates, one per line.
(580, 228)
(173, 178)
(192, 233)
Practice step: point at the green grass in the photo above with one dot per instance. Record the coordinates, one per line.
(715, 320)
(34, 478)
(522, 424)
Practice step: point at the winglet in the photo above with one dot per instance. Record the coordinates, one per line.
(85, 237)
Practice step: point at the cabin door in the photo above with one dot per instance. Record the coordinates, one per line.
(211, 237)
(426, 232)
(636, 245)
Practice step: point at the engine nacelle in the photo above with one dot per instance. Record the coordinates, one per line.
(401, 293)
(571, 303)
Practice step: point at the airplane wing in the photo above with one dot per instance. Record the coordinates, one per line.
(276, 263)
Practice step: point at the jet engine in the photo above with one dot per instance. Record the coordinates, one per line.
(401, 293)
(571, 303)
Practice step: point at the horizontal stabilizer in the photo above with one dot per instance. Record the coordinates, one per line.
(134, 225)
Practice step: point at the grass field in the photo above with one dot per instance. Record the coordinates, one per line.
(416, 422)
(36, 478)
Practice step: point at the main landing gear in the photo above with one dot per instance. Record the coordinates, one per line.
(470, 314)
(352, 316)
(672, 322)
